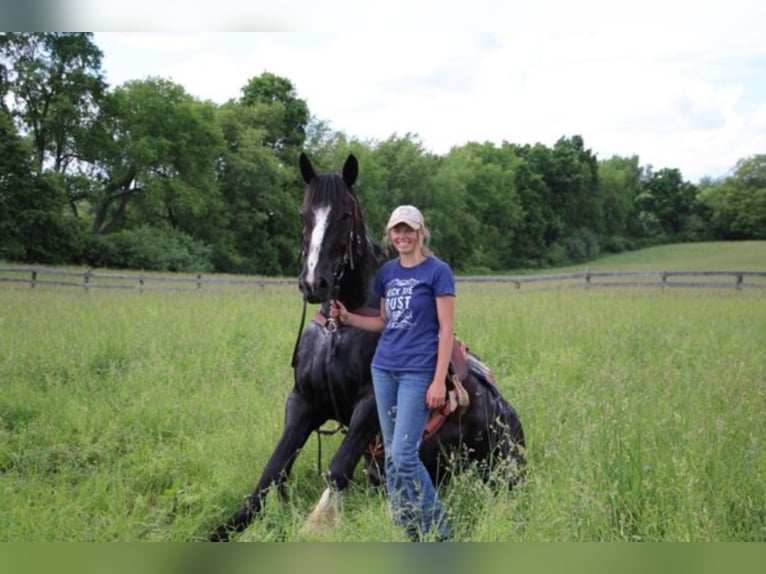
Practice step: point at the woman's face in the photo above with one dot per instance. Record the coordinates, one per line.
(405, 239)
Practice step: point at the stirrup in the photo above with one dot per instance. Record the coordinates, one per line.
(459, 395)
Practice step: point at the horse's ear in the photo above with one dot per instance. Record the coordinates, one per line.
(307, 170)
(350, 170)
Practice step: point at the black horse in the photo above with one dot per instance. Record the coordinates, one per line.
(332, 363)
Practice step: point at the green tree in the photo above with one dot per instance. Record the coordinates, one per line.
(16, 184)
(454, 227)
(323, 144)
(261, 197)
(57, 86)
(286, 124)
(34, 225)
(492, 209)
(540, 226)
(737, 205)
(667, 202)
(572, 178)
(619, 181)
(406, 169)
(154, 159)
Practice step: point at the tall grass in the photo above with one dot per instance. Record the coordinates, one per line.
(641, 408)
(129, 416)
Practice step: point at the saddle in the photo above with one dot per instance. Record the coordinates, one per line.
(457, 397)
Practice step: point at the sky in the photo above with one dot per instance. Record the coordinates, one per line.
(678, 84)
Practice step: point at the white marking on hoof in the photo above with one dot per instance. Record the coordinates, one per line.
(326, 513)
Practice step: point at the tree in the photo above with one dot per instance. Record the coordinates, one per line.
(668, 200)
(575, 182)
(286, 128)
(56, 83)
(454, 227)
(619, 181)
(16, 183)
(490, 215)
(34, 226)
(154, 157)
(737, 205)
(540, 225)
(406, 170)
(261, 234)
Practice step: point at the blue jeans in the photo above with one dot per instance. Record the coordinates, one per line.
(401, 400)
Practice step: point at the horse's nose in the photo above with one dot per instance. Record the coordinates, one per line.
(316, 291)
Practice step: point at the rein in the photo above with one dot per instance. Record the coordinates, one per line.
(331, 326)
(294, 361)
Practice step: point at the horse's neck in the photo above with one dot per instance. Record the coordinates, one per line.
(356, 287)
(354, 292)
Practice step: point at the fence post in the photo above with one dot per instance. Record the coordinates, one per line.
(141, 282)
(587, 277)
(739, 280)
(33, 282)
(86, 280)
(664, 279)
(199, 280)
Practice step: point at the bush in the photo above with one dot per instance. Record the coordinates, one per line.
(555, 255)
(617, 244)
(580, 246)
(152, 249)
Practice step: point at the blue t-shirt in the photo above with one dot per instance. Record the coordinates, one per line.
(410, 340)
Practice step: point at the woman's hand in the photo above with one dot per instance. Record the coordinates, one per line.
(338, 312)
(436, 395)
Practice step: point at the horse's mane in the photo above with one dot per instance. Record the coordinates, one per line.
(326, 188)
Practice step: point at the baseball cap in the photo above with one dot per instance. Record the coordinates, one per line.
(408, 214)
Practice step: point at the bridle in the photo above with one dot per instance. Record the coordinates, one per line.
(346, 261)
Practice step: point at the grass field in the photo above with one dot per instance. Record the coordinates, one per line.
(129, 416)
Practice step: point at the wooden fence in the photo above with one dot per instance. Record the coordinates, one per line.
(92, 279)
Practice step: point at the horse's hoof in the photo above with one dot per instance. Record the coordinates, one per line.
(221, 534)
(326, 513)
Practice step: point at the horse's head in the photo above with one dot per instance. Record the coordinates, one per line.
(333, 230)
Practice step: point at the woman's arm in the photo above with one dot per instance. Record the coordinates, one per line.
(445, 312)
(376, 323)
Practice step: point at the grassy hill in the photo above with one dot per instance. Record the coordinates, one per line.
(705, 256)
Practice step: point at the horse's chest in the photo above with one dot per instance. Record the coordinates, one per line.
(337, 360)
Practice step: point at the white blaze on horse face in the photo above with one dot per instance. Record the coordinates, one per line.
(321, 218)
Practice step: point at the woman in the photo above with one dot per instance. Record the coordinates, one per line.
(409, 368)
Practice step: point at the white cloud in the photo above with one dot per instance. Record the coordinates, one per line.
(678, 86)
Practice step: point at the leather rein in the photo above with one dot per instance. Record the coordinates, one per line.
(329, 324)
(337, 275)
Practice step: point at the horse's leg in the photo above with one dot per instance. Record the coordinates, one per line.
(299, 423)
(361, 432)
